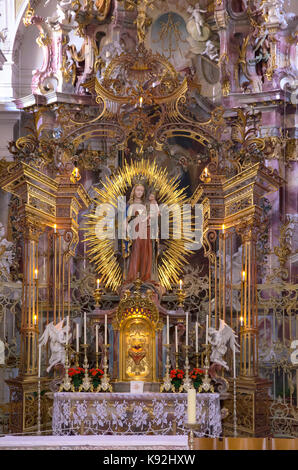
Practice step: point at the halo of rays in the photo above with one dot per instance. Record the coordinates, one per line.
(102, 250)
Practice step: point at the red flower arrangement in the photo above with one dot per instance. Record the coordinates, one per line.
(197, 377)
(177, 376)
(96, 375)
(77, 375)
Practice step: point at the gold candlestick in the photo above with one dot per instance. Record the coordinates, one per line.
(177, 359)
(97, 296)
(192, 427)
(77, 363)
(105, 381)
(197, 355)
(187, 383)
(86, 384)
(66, 384)
(97, 354)
(206, 382)
(167, 385)
(181, 297)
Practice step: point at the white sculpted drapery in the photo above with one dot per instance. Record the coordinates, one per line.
(127, 413)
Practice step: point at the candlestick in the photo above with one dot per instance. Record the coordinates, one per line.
(197, 338)
(77, 338)
(39, 361)
(85, 328)
(167, 385)
(207, 327)
(106, 329)
(96, 338)
(187, 383)
(168, 330)
(191, 406)
(67, 328)
(176, 338)
(234, 361)
(186, 340)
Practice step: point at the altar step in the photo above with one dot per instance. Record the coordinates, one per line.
(112, 442)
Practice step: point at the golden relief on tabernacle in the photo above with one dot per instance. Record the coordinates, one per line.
(137, 349)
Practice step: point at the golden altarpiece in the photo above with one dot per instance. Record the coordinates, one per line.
(135, 105)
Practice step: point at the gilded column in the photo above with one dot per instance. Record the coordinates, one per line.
(249, 307)
(29, 325)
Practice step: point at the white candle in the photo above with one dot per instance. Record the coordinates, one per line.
(67, 328)
(98, 281)
(191, 406)
(186, 341)
(96, 338)
(4, 324)
(106, 329)
(77, 338)
(55, 228)
(39, 361)
(85, 328)
(207, 326)
(176, 338)
(234, 361)
(180, 284)
(197, 338)
(168, 330)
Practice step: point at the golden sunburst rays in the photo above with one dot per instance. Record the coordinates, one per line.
(102, 251)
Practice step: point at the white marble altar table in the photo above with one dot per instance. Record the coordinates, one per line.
(128, 413)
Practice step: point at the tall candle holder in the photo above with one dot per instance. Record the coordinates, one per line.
(66, 384)
(181, 297)
(235, 407)
(97, 296)
(86, 384)
(167, 385)
(97, 355)
(197, 355)
(187, 383)
(177, 359)
(192, 428)
(105, 380)
(38, 408)
(206, 382)
(77, 355)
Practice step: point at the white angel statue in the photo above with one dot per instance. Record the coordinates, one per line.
(211, 51)
(219, 340)
(65, 14)
(57, 335)
(6, 255)
(198, 18)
